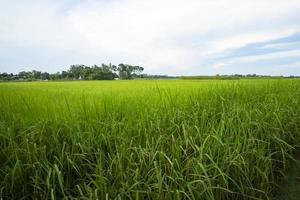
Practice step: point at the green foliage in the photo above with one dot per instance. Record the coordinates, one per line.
(128, 71)
(78, 72)
(289, 188)
(178, 139)
(233, 77)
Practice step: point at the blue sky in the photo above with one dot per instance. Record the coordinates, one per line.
(172, 37)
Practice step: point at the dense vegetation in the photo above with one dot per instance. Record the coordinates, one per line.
(111, 72)
(78, 72)
(175, 139)
(234, 76)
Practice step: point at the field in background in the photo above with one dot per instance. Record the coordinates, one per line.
(175, 139)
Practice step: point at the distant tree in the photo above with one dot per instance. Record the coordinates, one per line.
(64, 74)
(45, 76)
(122, 71)
(113, 68)
(6, 77)
(137, 71)
(128, 71)
(107, 73)
(36, 74)
(95, 72)
(55, 76)
(25, 75)
(76, 71)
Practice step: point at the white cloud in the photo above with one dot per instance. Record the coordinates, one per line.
(242, 39)
(165, 36)
(255, 58)
(281, 46)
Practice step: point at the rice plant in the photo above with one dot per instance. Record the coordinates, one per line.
(166, 139)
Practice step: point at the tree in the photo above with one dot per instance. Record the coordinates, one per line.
(55, 76)
(6, 76)
(45, 76)
(122, 71)
(128, 71)
(107, 73)
(64, 75)
(24, 75)
(95, 72)
(77, 71)
(36, 74)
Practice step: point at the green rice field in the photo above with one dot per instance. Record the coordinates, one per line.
(147, 139)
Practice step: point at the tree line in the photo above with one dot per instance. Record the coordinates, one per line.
(234, 76)
(80, 72)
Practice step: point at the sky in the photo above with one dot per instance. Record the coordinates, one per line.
(173, 37)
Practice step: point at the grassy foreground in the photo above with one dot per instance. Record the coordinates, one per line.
(289, 187)
(146, 139)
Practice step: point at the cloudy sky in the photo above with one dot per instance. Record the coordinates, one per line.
(175, 37)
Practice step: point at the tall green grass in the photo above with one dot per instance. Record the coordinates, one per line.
(146, 139)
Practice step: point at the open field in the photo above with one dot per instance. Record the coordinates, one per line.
(175, 139)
